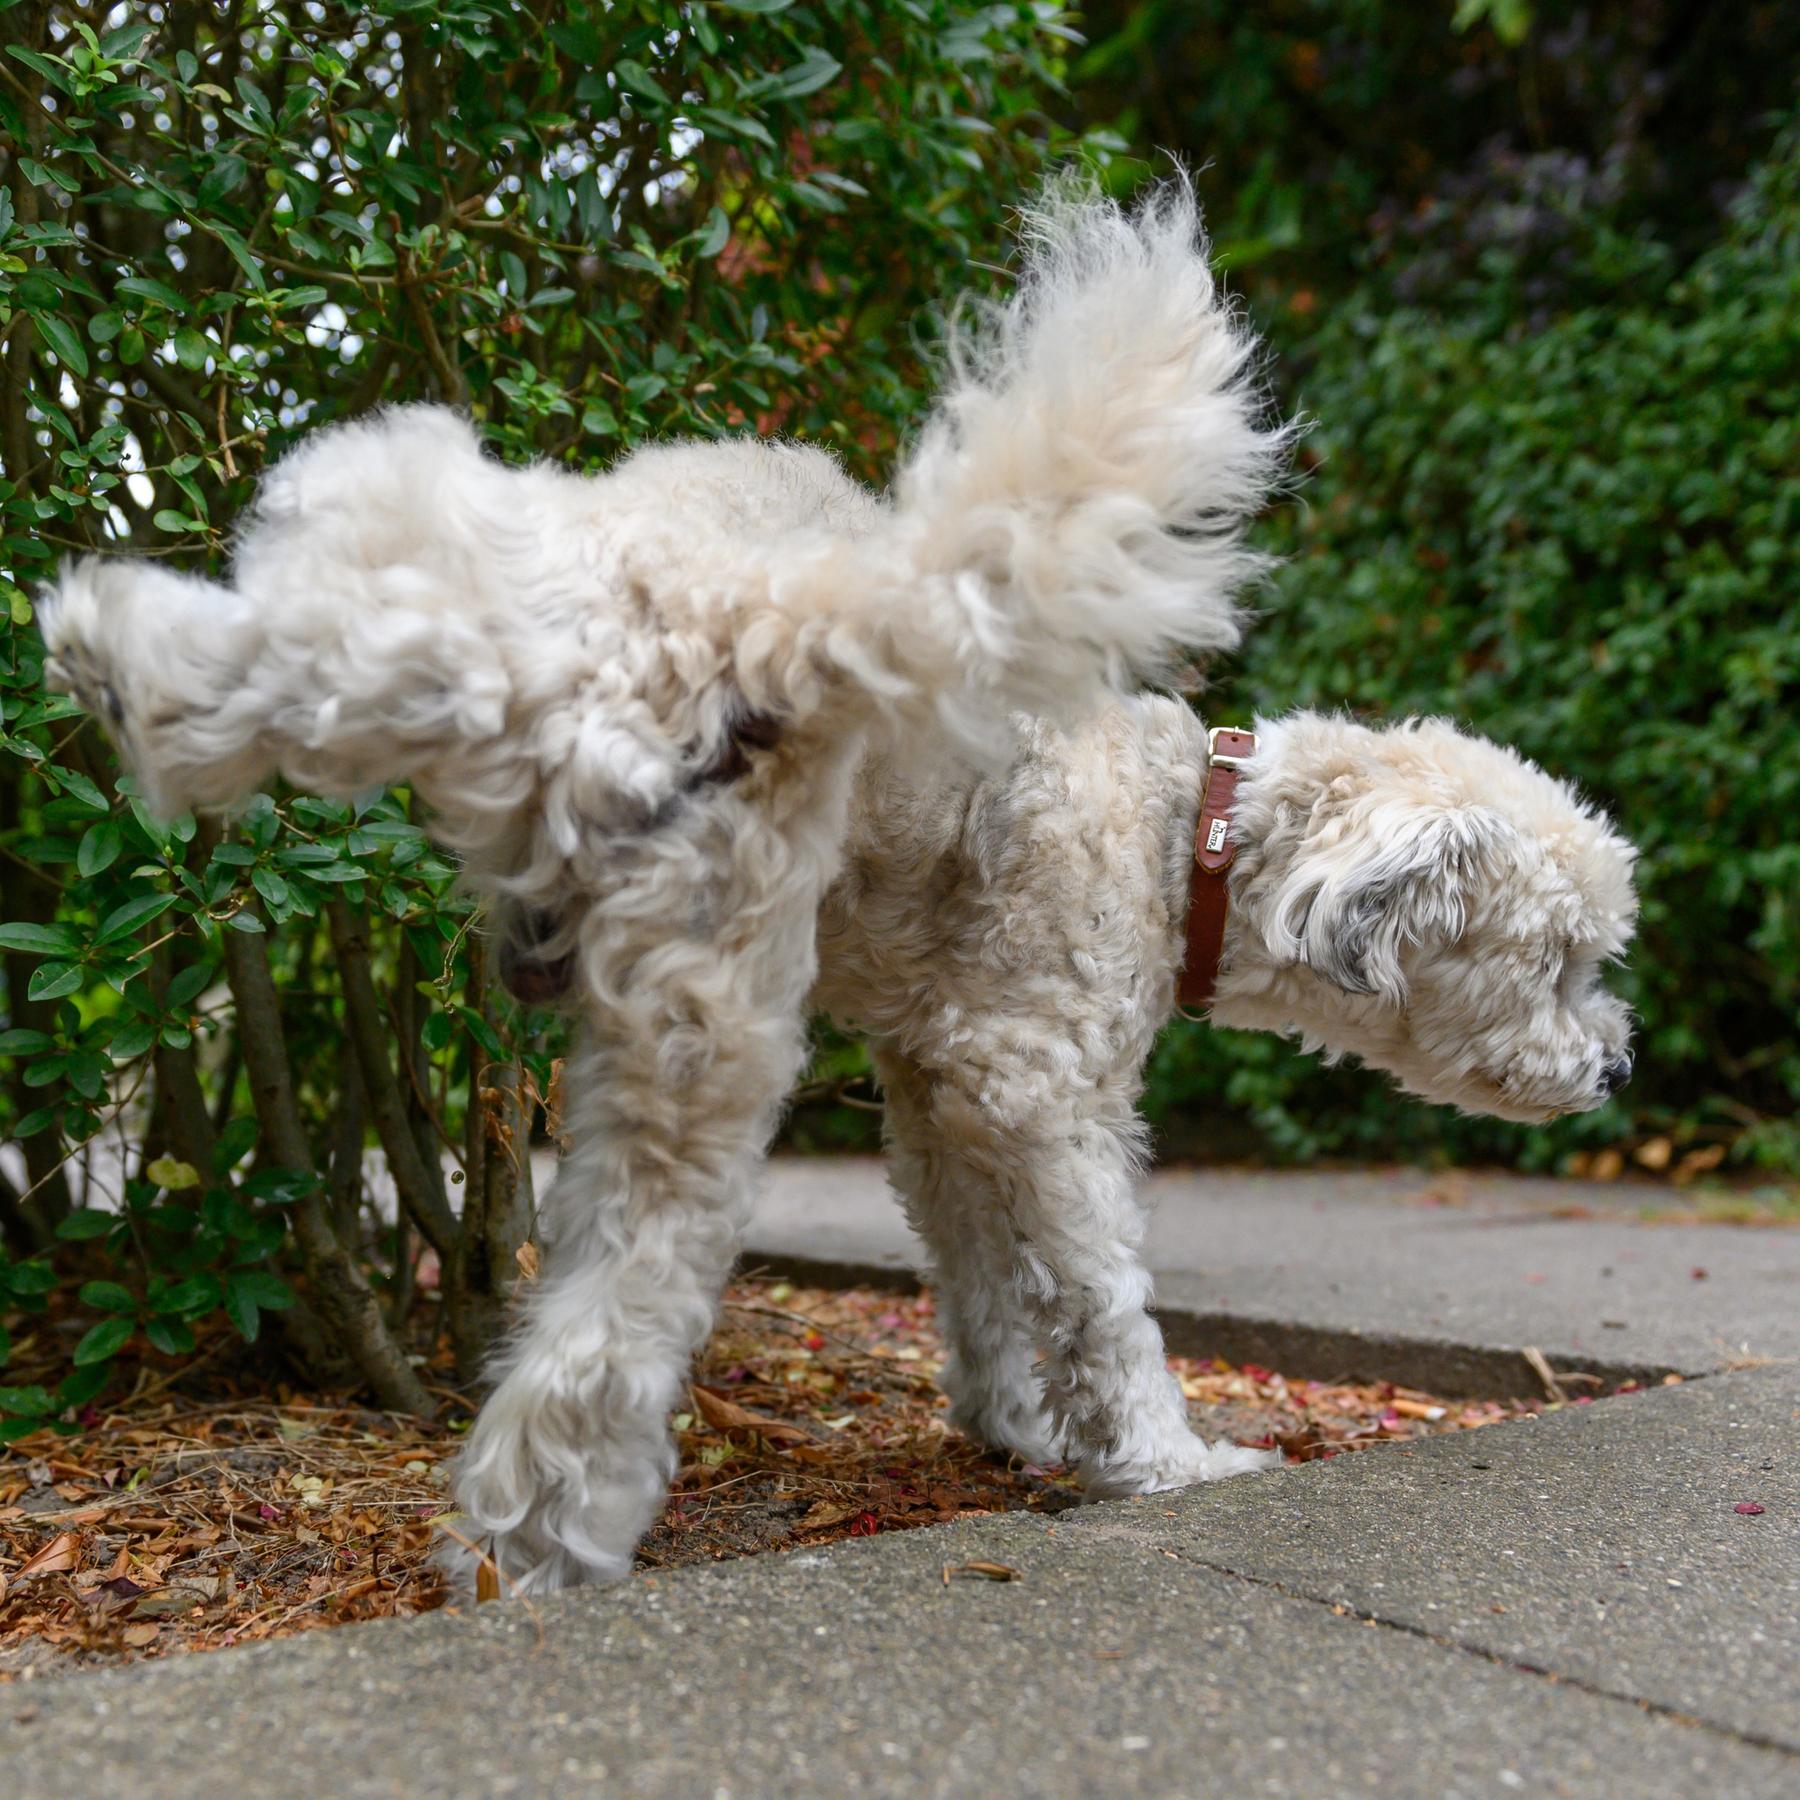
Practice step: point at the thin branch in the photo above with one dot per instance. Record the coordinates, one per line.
(451, 385)
(418, 1184)
(339, 1288)
(178, 1091)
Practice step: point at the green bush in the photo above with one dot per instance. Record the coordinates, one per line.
(1581, 540)
(591, 225)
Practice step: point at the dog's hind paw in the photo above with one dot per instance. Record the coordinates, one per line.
(505, 1565)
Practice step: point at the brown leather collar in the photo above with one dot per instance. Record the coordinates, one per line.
(1209, 899)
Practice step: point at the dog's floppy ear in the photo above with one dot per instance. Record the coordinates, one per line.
(1360, 896)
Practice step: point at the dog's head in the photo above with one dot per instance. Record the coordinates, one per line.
(1434, 905)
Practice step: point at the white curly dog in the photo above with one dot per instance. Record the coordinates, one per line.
(727, 739)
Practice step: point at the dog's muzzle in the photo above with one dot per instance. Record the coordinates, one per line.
(1615, 1075)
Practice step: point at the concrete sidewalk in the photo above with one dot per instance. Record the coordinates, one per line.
(1436, 1281)
(1570, 1606)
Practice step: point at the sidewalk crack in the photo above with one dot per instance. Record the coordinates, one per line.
(1349, 1610)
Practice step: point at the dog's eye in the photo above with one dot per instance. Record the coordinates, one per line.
(754, 731)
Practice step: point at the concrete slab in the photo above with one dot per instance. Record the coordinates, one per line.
(1601, 1542)
(1399, 1275)
(1106, 1670)
(1328, 1629)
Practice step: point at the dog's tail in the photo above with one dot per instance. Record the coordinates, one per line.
(1085, 479)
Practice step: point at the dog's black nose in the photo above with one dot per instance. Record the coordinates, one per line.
(1615, 1075)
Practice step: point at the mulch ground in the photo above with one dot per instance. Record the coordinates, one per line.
(199, 1511)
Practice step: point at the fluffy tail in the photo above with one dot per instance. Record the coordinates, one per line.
(1085, 479)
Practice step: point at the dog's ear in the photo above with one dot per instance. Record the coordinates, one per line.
(1362, 896)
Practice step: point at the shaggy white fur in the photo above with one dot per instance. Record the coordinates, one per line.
(728, 738)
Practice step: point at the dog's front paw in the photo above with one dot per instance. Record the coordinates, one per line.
(1001, 1404)
(1184, 1462)
(1010, 1424)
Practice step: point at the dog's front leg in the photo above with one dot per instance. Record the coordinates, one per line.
(1066, 1179)
(571, 1456)
(991, 1374)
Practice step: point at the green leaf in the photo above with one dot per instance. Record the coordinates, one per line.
(51, 980)
(108, 1296)
(123, 44)
(267, 1290)
(176, 1176)
(270, 885)
(32, 1277)
(188, 984)
(45, 940)
(80, 1386)
(100, 847)
(228, 173)
(147, 287)
(22, 1042)
(241, 1309)
(240, 254)
(483, 1033)
(813, 71)
(86, 1222)
(634, 78)
(171, 1336)
(197, 1294)
(193, 349)
(106, 1340)
(714, 235)
(61, 337)
(29, 1402)
(132, 1039)
(53, 71)
(79, 788)
(281, 1186)
(124, 920)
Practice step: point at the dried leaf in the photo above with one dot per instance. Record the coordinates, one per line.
(55, 1558)
(726, 1415)
(822, 1513)
(988, 1571)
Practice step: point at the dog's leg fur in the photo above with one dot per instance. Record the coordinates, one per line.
(996, 1393)
(673, 1095)
(571, 1457)
(1065, 1172)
